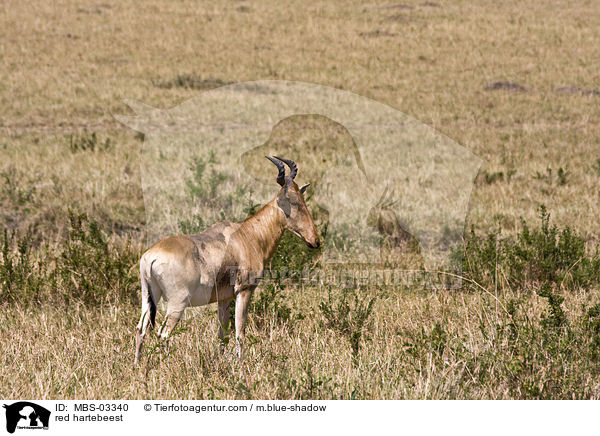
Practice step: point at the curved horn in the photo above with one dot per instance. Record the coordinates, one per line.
(383, 196)
(291, 164)
(281, 168)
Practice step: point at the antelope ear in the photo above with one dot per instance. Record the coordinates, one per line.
(304, 187)
(284, 203)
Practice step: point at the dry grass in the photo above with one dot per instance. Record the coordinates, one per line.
(88, 354)
(67, 68)
(72, 69)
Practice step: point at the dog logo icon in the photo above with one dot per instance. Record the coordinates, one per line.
(26, 415)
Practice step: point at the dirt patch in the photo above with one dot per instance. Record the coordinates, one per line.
(430, 5)
(576, 90)
(89, 11)
(189, 81)
(505, 86)
(398, 6)
(377, 34)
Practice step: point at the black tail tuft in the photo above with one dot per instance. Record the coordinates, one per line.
(152, 308)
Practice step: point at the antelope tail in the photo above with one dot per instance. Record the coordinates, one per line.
(147, 293)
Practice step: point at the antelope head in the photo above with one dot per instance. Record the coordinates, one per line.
(382, 216)
(290, 200)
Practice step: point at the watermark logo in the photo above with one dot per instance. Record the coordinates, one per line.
(26, 415)
(391, 192)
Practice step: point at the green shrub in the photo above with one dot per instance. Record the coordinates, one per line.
(548, 358)
(92, 270)
(205, 179)
(194, 225)
(555, 316)
(309, 385)
(516, 354)
(550, 254)
(22, 276)
(291, 257)
(348, 314)
(269, 304)
(87, 268)
(533, 256)
(424, 342)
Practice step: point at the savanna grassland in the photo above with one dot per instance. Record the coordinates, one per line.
(517, 84)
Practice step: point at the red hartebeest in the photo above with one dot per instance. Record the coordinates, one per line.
(223, 262)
